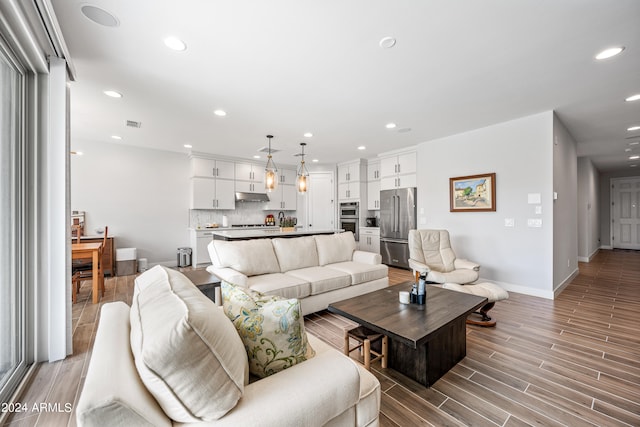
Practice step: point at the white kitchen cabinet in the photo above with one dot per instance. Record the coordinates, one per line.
(284, 198)
(352, 181)
(373, 195)
(249, 187)
(373, 185)
(349, 190)
(249, 172)
(370, 239)
(212, 193)
(349, 172)
(212, 168)
(287, 176)
(399, 181)
(199, 240)
(373, 171)
(289, 197)
(398, 171)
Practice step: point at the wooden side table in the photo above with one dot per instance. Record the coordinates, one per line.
(208, 283)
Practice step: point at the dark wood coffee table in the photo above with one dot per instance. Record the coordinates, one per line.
(425, 341)
(208, 283)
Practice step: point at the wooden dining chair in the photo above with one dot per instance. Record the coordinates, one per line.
(83, 268)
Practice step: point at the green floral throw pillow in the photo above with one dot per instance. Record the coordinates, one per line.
(270, 327)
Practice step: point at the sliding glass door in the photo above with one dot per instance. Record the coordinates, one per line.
(12, 283)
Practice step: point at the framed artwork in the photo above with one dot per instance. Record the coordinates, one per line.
(475, 193)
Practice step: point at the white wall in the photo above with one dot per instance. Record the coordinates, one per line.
(565, 207)
(588, 209)
(141, 194)
(520, 153)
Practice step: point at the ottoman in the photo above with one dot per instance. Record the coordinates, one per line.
(491, 291)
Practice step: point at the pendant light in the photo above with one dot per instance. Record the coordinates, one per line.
(302, 180)
(270, 171)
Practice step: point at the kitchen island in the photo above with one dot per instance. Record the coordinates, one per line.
(267, 233)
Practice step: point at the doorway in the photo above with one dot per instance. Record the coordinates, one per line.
(321, 209)
(625, 213)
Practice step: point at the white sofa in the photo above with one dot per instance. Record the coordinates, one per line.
(175, 352)
(318, 270)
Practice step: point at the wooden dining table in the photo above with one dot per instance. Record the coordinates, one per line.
(90, 251)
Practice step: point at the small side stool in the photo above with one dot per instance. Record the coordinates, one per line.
(365, 338)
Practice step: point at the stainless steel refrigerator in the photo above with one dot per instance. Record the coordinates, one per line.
(397, 217)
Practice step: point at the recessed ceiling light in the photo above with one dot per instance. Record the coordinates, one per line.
(636, 157)
(362, 147)
(256, 157)
(632, 128)
(220, 113)
(308, 135)
(113, 93)
(626, 150)
(188, 146)
(608, 53)
(634, 143)
(633, 166)
(175, 43)
(116, 137)
(387, 42)
(99, 16)
(633, 97)
(390, 125)
(315, 160)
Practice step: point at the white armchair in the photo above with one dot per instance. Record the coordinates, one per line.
(430, 252)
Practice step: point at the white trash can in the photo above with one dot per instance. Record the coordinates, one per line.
(126, 263)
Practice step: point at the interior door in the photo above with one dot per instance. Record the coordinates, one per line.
(625, 213)
(321, 207)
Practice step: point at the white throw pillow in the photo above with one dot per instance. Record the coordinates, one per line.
(187, 352)
(295, 252)
(249, 257)
(335, 247)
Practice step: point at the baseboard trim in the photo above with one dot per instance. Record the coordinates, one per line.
(519, 289)
(557, 291)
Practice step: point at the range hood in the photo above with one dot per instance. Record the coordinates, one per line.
(242, 196)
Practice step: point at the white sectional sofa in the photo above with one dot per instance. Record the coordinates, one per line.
(318, 270)
(174, 358)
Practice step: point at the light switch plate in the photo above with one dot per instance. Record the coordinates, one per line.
(538, 209)
(509, 222)
(534, 198)
(534, 222)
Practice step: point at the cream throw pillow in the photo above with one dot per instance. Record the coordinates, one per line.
(335, 247)
(187, 353)
(295, 253)
(249, 257)
(271, 328)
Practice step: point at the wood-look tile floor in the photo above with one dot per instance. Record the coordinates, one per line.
(573, 361)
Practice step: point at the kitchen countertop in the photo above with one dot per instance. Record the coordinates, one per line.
(267, 232)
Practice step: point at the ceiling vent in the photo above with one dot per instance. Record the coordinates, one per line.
(133, 124)
(266, 150)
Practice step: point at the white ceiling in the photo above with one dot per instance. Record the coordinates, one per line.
(286, 67)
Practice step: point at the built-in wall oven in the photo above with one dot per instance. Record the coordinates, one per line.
(349, 218)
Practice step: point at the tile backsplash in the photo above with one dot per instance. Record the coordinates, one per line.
(244, 213)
